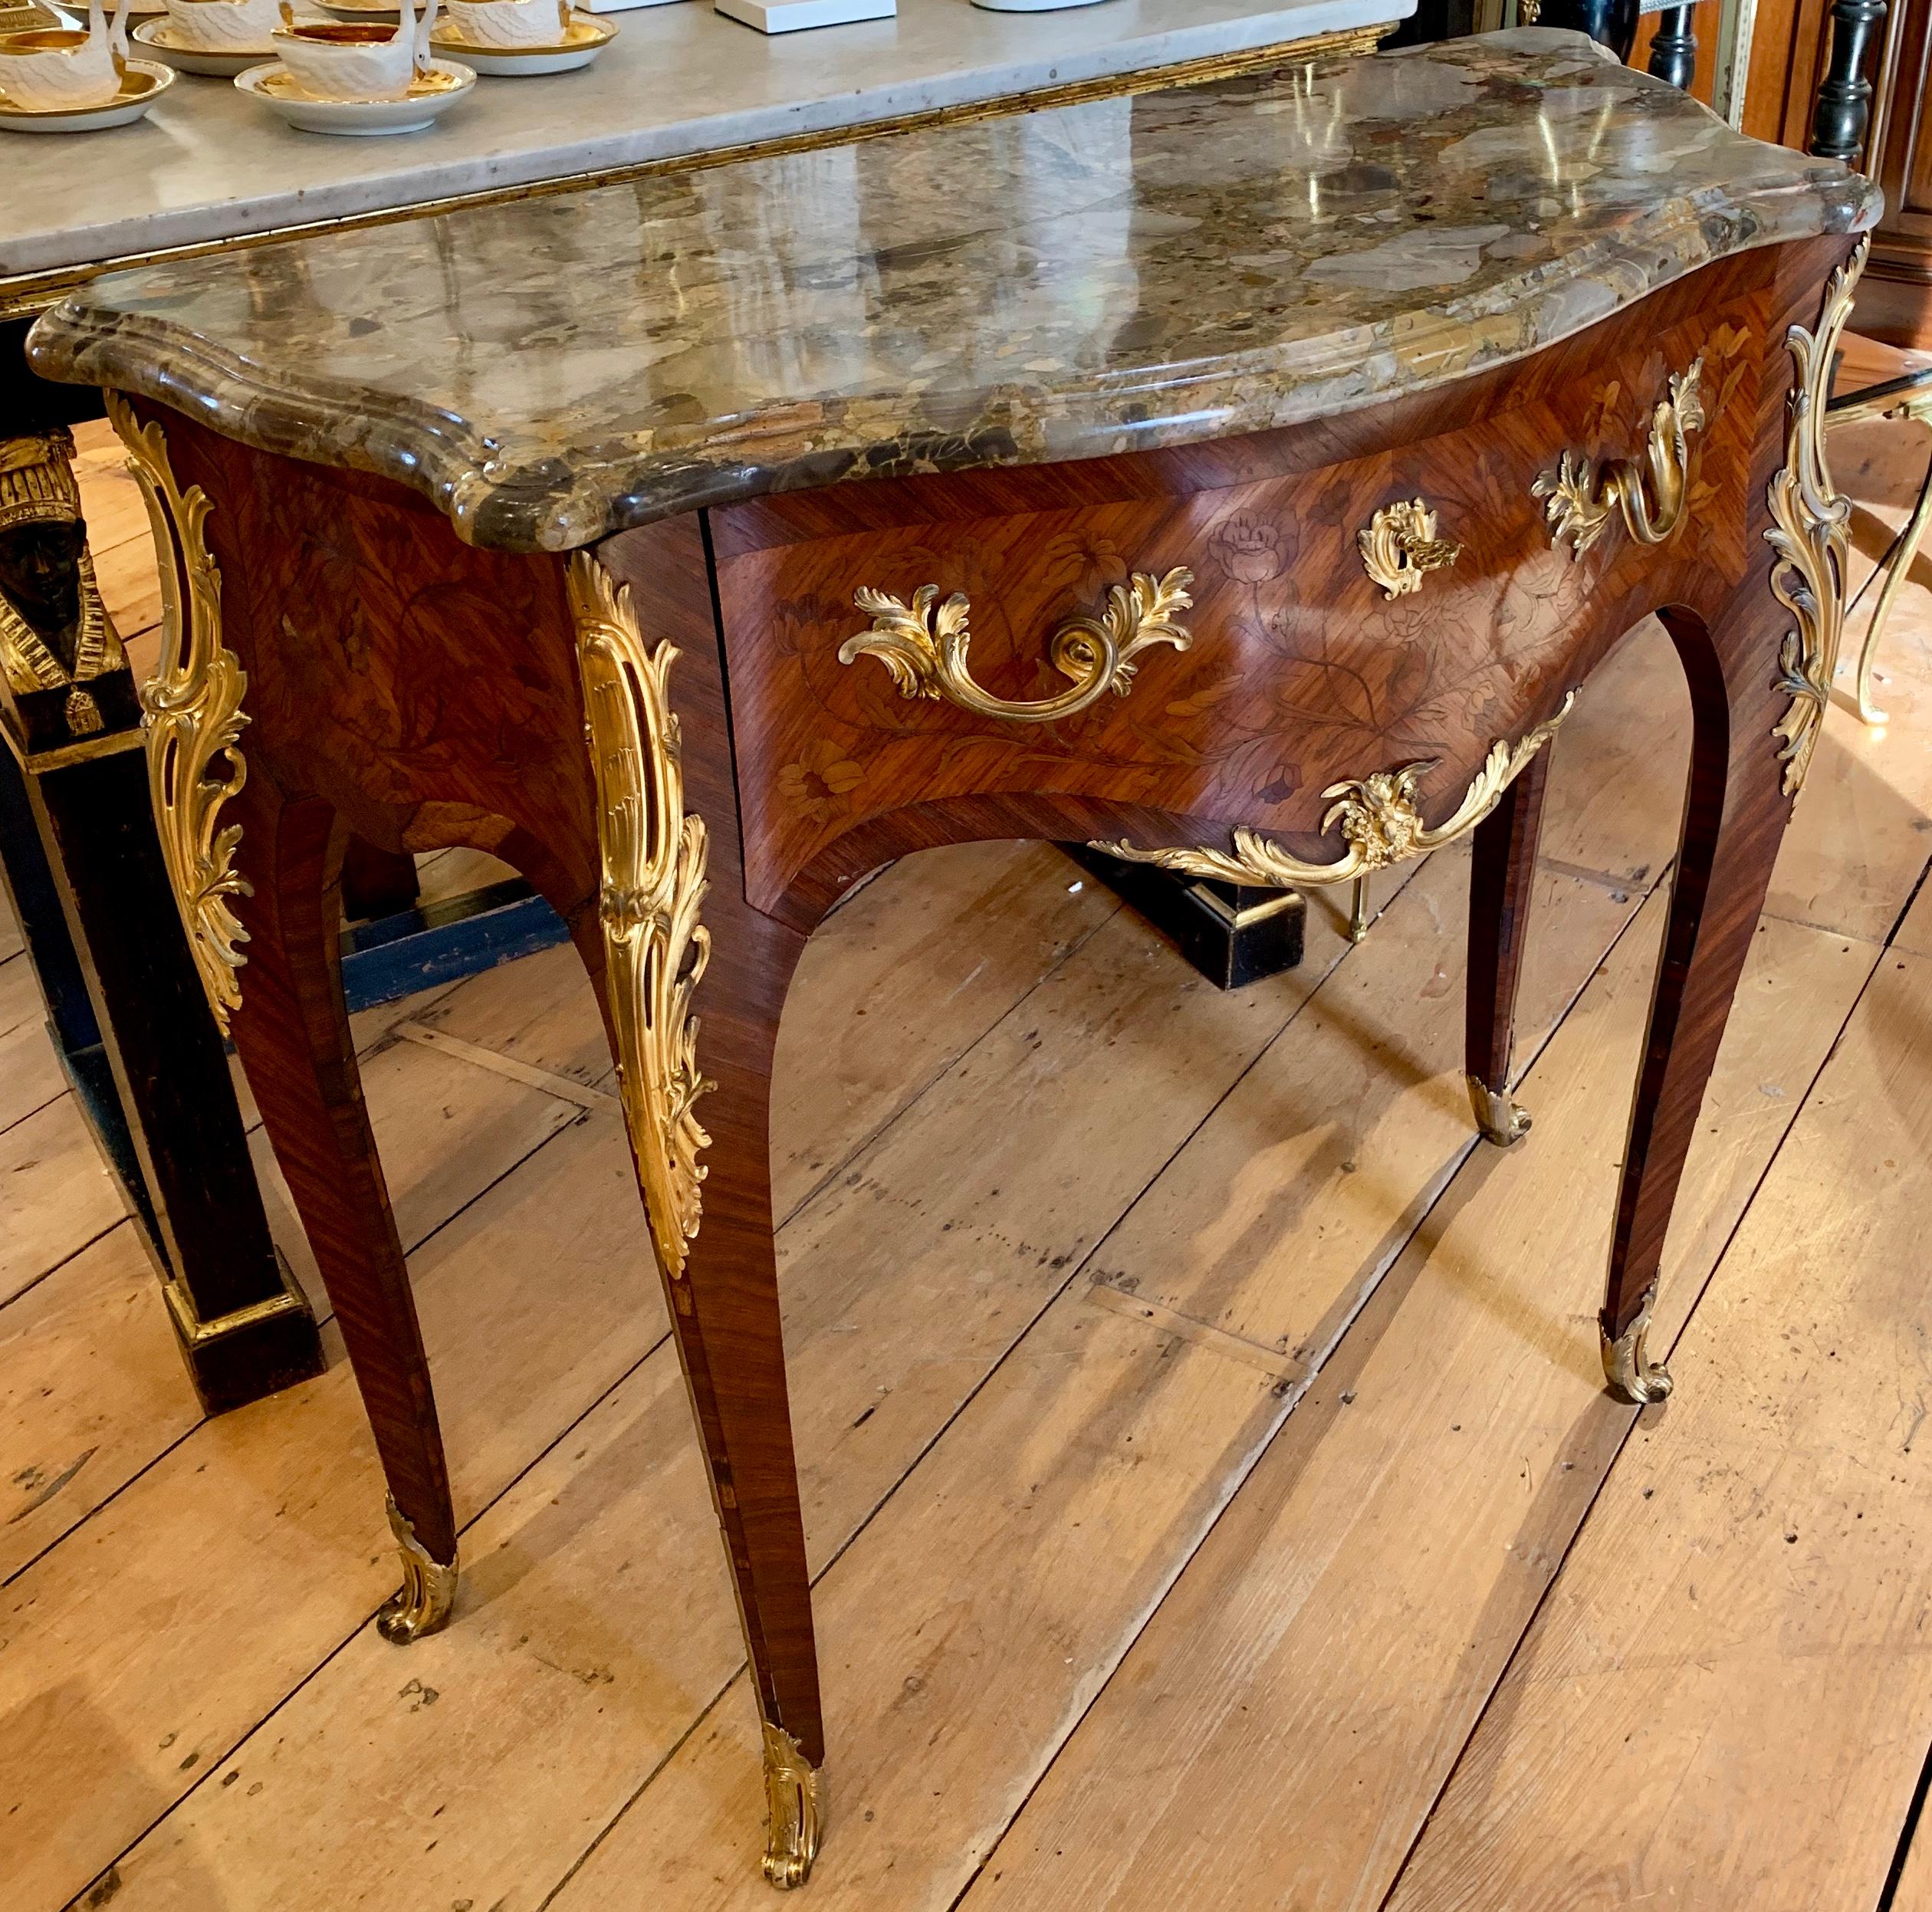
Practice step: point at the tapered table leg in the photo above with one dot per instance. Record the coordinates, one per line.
(1502, 879)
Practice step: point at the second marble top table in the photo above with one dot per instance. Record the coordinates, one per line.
(1244, 480)
(209, 166)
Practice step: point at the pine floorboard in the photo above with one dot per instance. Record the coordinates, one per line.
(1208, 1486)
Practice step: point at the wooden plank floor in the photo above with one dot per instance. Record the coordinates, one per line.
(1211, 1496)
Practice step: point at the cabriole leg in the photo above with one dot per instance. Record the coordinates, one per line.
(696, 1111)
(292, 1035)
(1502, 880)
(274, 912)
(1753, 735)
(1734, 818)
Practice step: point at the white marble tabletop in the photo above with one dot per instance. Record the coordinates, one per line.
(208, 164)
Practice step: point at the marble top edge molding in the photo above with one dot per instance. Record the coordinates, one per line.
(1116, 276)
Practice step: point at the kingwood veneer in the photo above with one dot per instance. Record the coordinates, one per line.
(1256, 427)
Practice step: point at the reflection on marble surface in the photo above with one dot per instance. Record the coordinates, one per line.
(1090, 279)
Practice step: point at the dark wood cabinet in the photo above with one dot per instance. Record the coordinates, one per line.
(1895, 301)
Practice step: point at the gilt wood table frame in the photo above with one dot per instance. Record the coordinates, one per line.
(692, 737)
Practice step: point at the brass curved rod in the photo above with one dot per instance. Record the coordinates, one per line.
(1378, 820)
(1651, 497)
(925, 649)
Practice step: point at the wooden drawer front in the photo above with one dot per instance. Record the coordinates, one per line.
(1301, 671)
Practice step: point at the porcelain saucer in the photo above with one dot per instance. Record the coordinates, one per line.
(158, 37)
(587, 38)
(366, 9)
(142, 84)
(430, 94)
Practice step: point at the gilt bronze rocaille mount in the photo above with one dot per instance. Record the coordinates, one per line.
(1632, 1376)
(1378, 818)
(923, 645)
(1580, 502)
(193, 718)
(422, 1603)
(795, 1809)
(1811, 531)
(1399, 548)
(654, 857)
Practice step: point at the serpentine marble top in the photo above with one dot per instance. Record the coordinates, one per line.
(1084, 280)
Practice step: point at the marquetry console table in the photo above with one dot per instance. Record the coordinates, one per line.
(682, 85)
(1255, 473)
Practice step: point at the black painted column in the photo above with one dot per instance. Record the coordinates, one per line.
(82, 860)
(1673, 52)
(1610, 23)
(1843, 114)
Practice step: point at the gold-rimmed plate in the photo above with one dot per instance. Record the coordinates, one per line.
(161, 38)
(587, 38)
(367, 9)
(430, 93)
(142, 84)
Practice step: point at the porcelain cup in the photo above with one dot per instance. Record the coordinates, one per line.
(62, 69)
(510, 24)
(223, 26)
(341, 60)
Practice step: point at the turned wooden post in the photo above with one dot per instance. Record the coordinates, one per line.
(1842, 116)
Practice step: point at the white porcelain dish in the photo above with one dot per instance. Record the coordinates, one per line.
(587, 38)
(430, 95)
(142, 84)
(367, 9)
(157, 38)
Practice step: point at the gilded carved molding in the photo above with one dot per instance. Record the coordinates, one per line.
(192, 713)
(1810, 532)
(1377, 817)
(923, 645)
(654, 858)
(1652, 497)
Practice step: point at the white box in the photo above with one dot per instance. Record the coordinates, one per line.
(790, 16)
(620, 6)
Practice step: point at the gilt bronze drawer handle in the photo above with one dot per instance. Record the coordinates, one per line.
(1379, 822)
(1579, 502)
(924, 648)
(1400, 546)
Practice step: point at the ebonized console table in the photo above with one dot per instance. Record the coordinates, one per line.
(1255, 475)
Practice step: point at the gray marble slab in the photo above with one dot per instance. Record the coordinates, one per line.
(208, 164)
(1102, 277)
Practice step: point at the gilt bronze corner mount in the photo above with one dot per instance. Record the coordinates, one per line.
(191, 712)
(654, 857)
